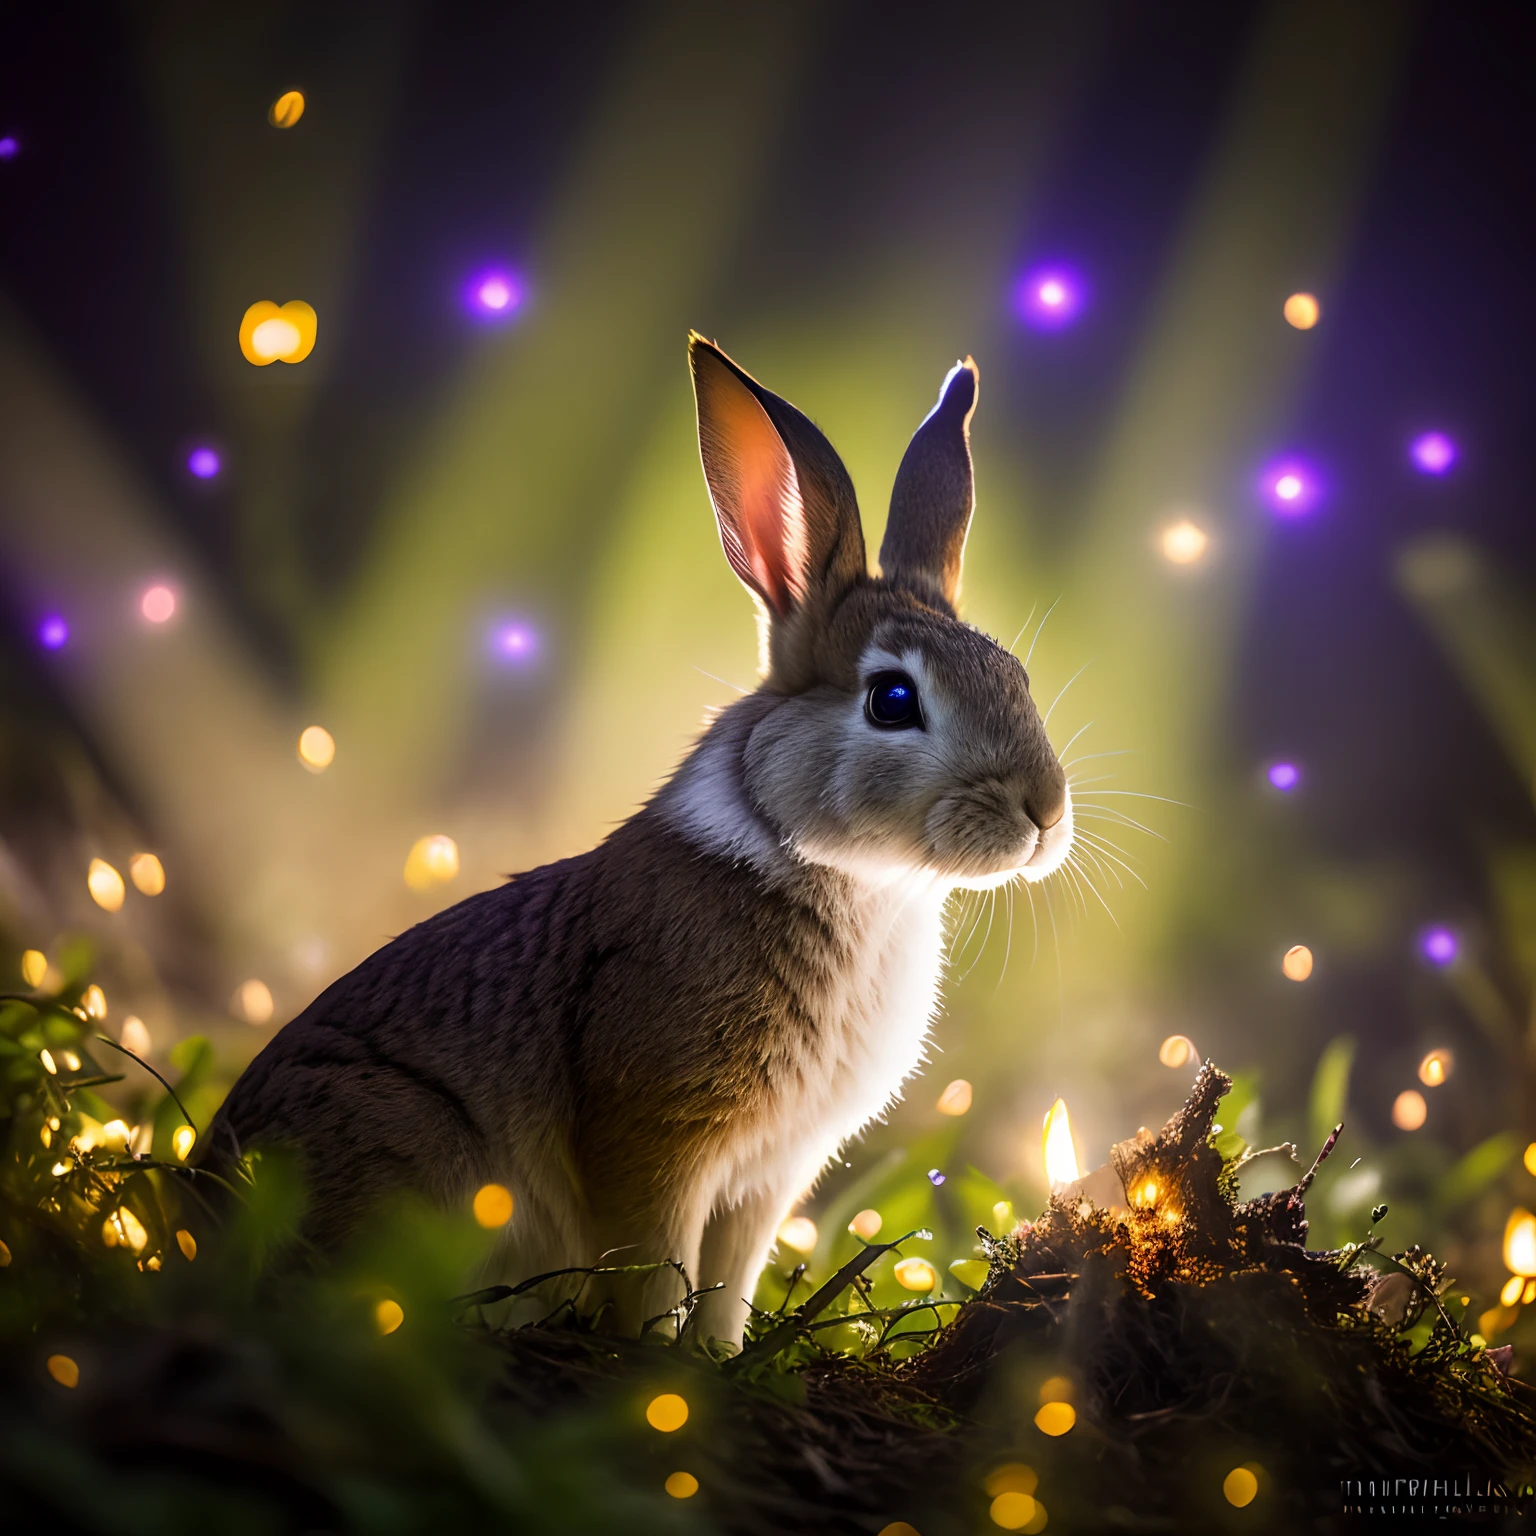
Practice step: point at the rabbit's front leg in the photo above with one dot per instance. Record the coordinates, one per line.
(734, 1251)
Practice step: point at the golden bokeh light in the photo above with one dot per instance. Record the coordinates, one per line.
(135, 1036)
(971, 1273)
(1409, 1110)
(681, 1485)
(147, 874)
(105, 885)
(94, 1001)
(493, 1206)
(1240, 1486)
(183, 1139)
(253, 1002)
(1514, 1289)
(1297, 963)
(273, 333)
(916, 1275)
(1178, 1051)
(1529, 1158)
(799, 1233)
(866, 1224)
(1303, 311)
(1056, 1389)
(187, 1243)
(5, 1256)
(286, 110)
(667, 1412)
(1183, 543)
(34, 966)
(1520, 1243)
(64, 1370)
(1012, 1510)
(116, 1135)
(1055, 1418)
(432, 861)
(1436, 1067)
(899, 1528)
(1061, 1164)
(1011, 1477)
(317, 748)
(1003, 1217)
(388, 1315)
(50, 1066)
(956, 1099)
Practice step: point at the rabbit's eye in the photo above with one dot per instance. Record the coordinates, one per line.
(892, 702)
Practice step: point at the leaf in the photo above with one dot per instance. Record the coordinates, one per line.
(1330, 1088)
(1474, 1172)
(970, 1272)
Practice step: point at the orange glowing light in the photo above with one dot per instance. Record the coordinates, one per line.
(273, 333)
(667, 1412)
(187, 1243)
(493, 1206)
(799, 1233)
(147, 874)
(916, 1275)
(64, 1370)
(1012, 1477)
(1409, 1110)
(432, 861)
(1012, 1510)
(1514, 1289)
(1240, 1486)
(183, 1139)
(286, 110)
(1055, 1419)
(388, 1315)
(1303, 311)
(1178, 1051)
(1436, 1067)
(253, 1002)
(1520, 1243)
(1530, 1158)
(682, 1485)
(105, 885)
(94, 1001)
(1184, 542)
(867, 1225)
(1297, 963)
(956, 1099)
(135, 1036)
(1061, 1164)
(317, 748)
(34, 966)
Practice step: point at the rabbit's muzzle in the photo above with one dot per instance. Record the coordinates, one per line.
(993, 829)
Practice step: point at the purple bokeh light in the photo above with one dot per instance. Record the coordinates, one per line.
(1439, 945)
(203, 463)
(514, 642)
(1433, 453)
(1049, 298)
(1284, 776)
(935, 1177)
(8, 148)
(494, 294)
(53, 632)
(1291, 487)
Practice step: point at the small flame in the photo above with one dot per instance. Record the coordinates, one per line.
(1061, 1165)
(1520, 1242)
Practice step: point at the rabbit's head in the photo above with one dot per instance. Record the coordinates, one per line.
(888, 737)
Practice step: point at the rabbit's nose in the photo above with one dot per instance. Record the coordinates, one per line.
(1046, 802)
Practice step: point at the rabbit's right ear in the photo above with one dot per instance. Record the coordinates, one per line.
(784, 503)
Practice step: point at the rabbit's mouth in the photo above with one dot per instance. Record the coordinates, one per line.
(1051, 846)
(981, 838)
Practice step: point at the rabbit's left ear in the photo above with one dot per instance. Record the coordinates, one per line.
(934, 495)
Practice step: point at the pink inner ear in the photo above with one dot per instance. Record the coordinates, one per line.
(753, 485)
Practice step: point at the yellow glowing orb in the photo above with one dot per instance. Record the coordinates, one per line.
(1409, 1110)
(799, 1233)
(1061, 1164)
(866, 1224)
(1303, 311)
(64, 1370)
(1530, 1158)
(956, 1099)
(971, 1273)
(34, 966)
(50, 1066)
(1055, 1418)
(272, 333)
(1056, 1389)
(493, 1206)
(286, 110)
(1011, 1477)
(183, 1139)
(1002, 1215)
(105, 885)
(899, 1528)
(432, 861)
(1436, 1067)
(317, 748)
(1012, 1510)
(916, 1275)
(187, 1243)
(94, 1001)
(253, 1002)
(1184, 542)
(1520, 1242)
(1240, 1485)
(116, 1135)
(1297, 962)
(388, 1315)
(135, 1036)
(5, 1255)
(666, 1412)
(682, 1485)
(147, 874)
(1178, 1051)
(1514, 1289)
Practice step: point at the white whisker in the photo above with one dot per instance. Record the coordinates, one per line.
(1033, 643)
(1023, 627)
(1057, 700)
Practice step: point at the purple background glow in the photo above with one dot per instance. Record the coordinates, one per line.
(53, 632)
(514, 642)
(1439, 945)
(493, 294)
(8, 148)
(1433, 453)
(1284, 776)
(1291, 487)
(204, 463)
(1049, 298)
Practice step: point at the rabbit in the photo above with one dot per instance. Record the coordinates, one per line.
(659, 1044)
